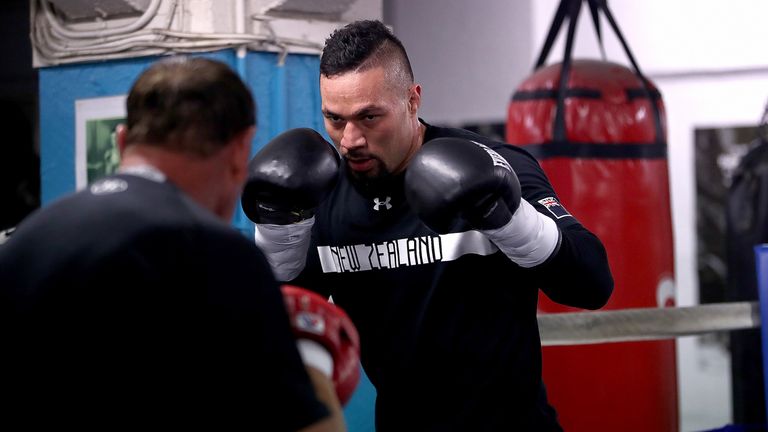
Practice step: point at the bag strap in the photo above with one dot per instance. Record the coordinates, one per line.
(554, 29)
(570, 9)
(595, 12)
(563, 12)
(573, 8)
(660, 139)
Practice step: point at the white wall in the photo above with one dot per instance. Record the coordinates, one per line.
(708, 58)
(468, 55)
(675, 36)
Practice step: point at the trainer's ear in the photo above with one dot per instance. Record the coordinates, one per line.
(121, 131)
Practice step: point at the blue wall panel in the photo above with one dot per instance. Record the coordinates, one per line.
(287, 96)
(60, 87)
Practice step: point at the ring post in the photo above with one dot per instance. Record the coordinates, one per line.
(761, 257)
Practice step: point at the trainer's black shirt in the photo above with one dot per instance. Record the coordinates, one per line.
(128, 304)
(447, 323)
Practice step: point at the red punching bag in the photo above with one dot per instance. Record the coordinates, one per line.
(598, 130)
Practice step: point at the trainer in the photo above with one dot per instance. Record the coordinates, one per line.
(133, 303)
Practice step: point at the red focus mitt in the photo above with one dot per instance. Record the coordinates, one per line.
(314, 318)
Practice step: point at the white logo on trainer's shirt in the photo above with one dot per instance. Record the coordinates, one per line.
(404, 252)
(377, 203)
(108, 186)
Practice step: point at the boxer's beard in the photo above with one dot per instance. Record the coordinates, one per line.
(370, 186)
(379, 170)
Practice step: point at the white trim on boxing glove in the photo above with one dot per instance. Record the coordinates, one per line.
(316, 356)
(285, 246)
(528, 239)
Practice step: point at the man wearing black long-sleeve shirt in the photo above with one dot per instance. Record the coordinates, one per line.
(436, 241)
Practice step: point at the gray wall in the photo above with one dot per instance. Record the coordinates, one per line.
(468, 55)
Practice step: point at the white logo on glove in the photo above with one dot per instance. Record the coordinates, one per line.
(497, 159)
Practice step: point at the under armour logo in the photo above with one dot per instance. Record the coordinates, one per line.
(378, 203)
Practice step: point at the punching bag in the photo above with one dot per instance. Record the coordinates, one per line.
(598, 130)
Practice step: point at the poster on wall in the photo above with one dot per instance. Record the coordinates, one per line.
(96, 153)
(731, 190)
(718, 151)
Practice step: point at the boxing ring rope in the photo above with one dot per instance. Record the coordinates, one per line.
(577, 328)
(642, 324)
(639, 324)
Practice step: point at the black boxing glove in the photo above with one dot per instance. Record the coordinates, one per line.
(454, 178)
(289, 177)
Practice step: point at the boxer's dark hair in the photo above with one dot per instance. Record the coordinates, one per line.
(188, 104)
(363, 45)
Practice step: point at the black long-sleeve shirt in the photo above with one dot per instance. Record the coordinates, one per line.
(128, 303)
(447, 323)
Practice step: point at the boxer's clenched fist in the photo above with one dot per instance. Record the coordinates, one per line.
(452, 178)
(289, 177)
